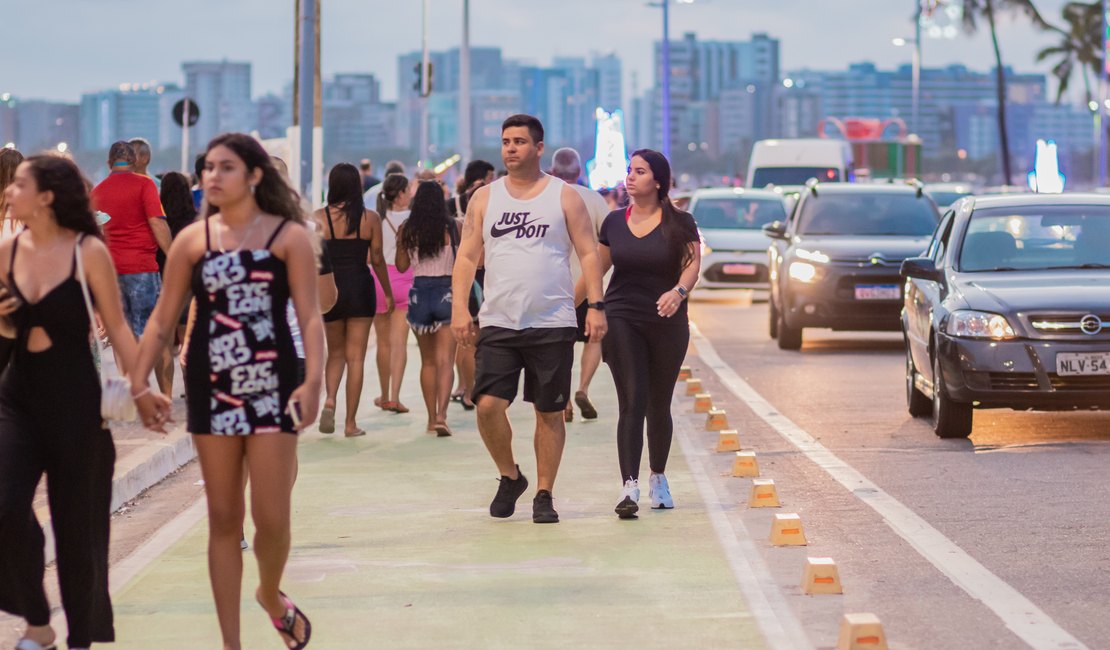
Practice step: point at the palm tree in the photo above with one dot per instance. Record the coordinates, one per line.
(1079, 47)
(975, 10)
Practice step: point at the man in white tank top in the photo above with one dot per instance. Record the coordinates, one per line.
(527, 224)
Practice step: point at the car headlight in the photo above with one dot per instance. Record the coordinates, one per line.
(971, 324)
(802, 271)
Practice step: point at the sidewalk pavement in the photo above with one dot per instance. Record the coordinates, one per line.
(393, 547)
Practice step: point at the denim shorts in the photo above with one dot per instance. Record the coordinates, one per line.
(429, 303)
(139, 292)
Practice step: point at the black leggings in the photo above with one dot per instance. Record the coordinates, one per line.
(645, 359)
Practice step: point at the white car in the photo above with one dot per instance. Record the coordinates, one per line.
(734, 247)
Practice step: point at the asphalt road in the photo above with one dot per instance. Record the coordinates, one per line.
(1025, 497)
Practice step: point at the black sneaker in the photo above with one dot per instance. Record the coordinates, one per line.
(504, 503)
(543, 511)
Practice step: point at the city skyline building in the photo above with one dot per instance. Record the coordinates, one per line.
(222, 92)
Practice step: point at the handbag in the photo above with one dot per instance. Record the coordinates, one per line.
(116, 402)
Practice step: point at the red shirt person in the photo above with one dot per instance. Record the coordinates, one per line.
(136, 230)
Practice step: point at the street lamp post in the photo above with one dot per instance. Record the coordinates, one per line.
(306, 93)
(915, 78)
(1100, 123)
(465, 141)
(666, 71)
(424, 81)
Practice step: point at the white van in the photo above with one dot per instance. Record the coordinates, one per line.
(790, 163)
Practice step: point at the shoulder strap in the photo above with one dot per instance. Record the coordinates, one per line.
(389, 222)
(453, 232)
(80, 266)
(207, 235)
(11, 262)
(277, 231)
(331, 226)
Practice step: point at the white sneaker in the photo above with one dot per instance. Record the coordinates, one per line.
(630, 494)
(660, 492)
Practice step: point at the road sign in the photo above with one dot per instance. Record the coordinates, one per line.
(179, 112)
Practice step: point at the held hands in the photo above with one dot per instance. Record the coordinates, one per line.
(462, 326)
(596, 325)
(154, 409)
(668, 303)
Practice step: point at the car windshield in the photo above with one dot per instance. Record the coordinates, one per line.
(738, 212)
(1037, 238)
(867, 214)
(765, 176)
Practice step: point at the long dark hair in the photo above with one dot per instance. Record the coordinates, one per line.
(177, 201)
(72, 208)
(9, 160)
(392, 187)
(272, 194)
(345, 187)
(427, 222)
(679, 255)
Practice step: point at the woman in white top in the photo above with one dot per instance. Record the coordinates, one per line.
(391, 329)
(427, 243)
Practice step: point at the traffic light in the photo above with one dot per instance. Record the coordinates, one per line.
(418, 85)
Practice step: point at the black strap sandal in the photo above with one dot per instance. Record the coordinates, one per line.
(287, 624)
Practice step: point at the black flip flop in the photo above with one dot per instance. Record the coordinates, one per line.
(287, 624)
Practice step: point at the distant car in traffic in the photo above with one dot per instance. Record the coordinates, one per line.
(790, 163)
(1010, 308)
(945, 194)
(834, 263)
(734, 247)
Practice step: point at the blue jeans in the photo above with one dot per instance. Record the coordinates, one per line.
(139, 292)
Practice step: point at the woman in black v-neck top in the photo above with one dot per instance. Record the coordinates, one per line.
(653, 249)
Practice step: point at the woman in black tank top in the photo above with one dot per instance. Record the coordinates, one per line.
(42, 308)
(245, 407)
(352, 246)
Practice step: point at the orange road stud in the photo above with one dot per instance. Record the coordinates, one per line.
(787, 530)
(703, 403)
(745, 465)
(684, 373)
(693, 387)
(861, 631)
(763, 494)
(821, 577)
(728, 440)
(717, 420)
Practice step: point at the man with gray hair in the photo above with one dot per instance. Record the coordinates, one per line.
(566, 165)
(141, 147)
(370, 198)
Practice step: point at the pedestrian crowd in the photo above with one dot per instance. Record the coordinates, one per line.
(267, 304)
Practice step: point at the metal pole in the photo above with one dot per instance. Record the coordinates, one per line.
(185, 168)
(424, 90)
(465, 144)
(916, 110)
(666, 79)
(1102, 85)
(306, 94)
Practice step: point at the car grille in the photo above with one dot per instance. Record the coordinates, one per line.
(1067, 325)
(716, 273)
(1028, 381)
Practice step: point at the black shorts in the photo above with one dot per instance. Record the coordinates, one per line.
(546, 355)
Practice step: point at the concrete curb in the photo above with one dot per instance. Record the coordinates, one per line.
(135, 473)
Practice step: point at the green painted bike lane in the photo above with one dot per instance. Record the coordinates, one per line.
(393, 547)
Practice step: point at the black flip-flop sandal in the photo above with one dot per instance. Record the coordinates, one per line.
(287, 624)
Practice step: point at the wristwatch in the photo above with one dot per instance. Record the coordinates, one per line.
(681, 291)
(599, 305)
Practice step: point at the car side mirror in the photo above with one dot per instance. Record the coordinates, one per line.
(775, 230)
(921, 268)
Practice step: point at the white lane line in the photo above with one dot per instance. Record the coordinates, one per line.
(776, 620)
(126, 570)
(1017, 612)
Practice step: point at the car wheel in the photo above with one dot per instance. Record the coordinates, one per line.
(772, 318)
(790, 338)
(950, 419)
(919, 403)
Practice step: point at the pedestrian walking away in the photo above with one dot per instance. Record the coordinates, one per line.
(353, 247)
(526, 225)
(392, 330)
(427, 243)
(566, 165)
(135, 232)
(653, 250)
(177, 201)
(245, 407)
(42, 307)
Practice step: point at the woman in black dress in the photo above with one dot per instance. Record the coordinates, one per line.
(243, 262)
(354, 236)
(43, 309)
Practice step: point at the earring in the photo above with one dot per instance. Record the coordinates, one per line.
(253, 188)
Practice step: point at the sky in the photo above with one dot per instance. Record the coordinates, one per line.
(57, 49)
